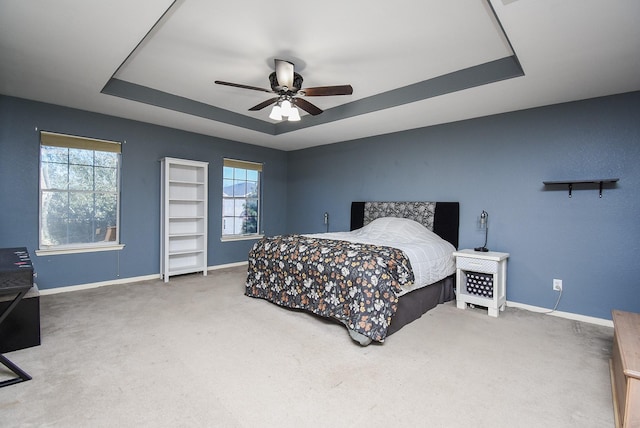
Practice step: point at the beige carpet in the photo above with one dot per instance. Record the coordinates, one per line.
(198, 353)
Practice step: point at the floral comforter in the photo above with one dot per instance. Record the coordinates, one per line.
(351, 282)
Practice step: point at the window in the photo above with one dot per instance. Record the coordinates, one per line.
(240, 198)
(79, 194)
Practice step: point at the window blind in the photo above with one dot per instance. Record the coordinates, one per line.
(74, 142)
(232, 163)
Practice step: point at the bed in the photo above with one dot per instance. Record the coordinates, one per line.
(394, 266)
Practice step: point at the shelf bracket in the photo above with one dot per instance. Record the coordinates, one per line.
(601, 188)
(570, 188)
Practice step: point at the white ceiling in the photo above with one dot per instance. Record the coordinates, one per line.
(66, 51)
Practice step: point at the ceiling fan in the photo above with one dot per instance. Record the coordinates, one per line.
(287, 84)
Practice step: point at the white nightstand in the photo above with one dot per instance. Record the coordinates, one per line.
(481, 279)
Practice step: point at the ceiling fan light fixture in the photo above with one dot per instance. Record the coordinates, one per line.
(276, 113)
(286, 108)
(294, 115)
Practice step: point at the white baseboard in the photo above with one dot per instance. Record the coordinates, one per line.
(567, 315)
(69, 288)
(44, 292)
(228, 265)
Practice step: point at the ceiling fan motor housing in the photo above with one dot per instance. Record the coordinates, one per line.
(276, 87)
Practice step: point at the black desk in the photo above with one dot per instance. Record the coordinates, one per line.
(16, 278)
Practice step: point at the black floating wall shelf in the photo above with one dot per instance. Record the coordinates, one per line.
(570, 183)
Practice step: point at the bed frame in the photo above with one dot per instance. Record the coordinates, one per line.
(443, 218)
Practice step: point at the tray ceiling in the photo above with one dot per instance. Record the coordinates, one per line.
(411, 63)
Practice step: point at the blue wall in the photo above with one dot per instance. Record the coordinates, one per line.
(495, 163)
(498, 163)
(140, 190)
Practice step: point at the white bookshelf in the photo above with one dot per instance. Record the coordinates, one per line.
(183, 247)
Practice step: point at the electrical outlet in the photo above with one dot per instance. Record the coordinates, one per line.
(557, 285)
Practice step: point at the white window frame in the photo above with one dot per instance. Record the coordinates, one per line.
(253, 166)
(51, 139)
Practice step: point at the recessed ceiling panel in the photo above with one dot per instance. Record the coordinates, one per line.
(375, 49)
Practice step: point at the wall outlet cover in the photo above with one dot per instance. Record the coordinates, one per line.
(557, 285)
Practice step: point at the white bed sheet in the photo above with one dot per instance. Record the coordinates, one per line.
(431, 257)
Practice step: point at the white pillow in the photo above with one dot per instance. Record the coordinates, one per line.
(397, 229)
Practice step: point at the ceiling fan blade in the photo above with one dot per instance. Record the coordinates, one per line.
(264, 104)
(284, 73)
(237, 85)
(321, 91)
(307, 106)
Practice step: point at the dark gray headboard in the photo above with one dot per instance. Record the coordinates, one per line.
(442, 218)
